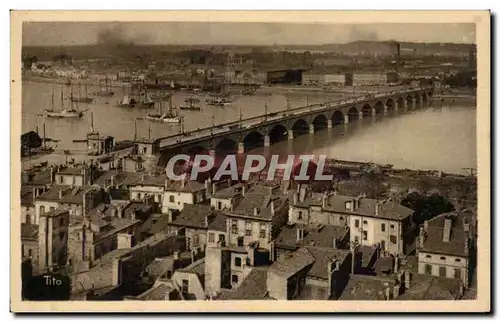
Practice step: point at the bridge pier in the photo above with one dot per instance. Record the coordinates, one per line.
(421, 101)
(360, 115)
(311, 128)
(374, 112)
(414, 103)
(290, 134)
(386, 109)
(330, 124)
(267, 141)
(396, 105)
(346, 118)
(241, 148)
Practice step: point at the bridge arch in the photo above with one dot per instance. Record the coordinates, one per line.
(366, 110)
(409, 101)
(300, 127)
(401, 102)
(379, 107)
(353, 114)
(320, 122)
(226, 146)
(338, 118)
(278, 133)
(390, 104)
(253, 140)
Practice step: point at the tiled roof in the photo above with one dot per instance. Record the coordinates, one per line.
(156, 293)
(433, 288)
(323, 256)
(72, 195)
(260, 201)
(253, 287)
(160, 266)
(314, 235)
(121, 178)
(433, 239)
(26, 196)
(218, 223)
(292, 263)
(367, 288)
(197, 267)
(189, 186)
(29, 231)
(192, 216)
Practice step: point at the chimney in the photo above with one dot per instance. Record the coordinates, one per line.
(377, 209)
(176, 256)
(300, 233)
(271, 251)
(426, 225)
(206, 184)
(421, 238)
(466, 226)
(330, 272)
(206, 220)
(142, 177)
(229, 183)
(388, 293)
(244, 190)
(396, 291)
(447, 230)
(396, 264)
(193, 256)
(295, 198)
(461, 290)
(113, 181)
(255, 211)
(60, 194)
(183, 183)
(120, 211)
(272, 207)
(325, 200)
(52, 174)
(214, 187)
(116, 269)
(407, 279)
(334, 242)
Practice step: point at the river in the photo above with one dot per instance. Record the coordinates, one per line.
(441, 138)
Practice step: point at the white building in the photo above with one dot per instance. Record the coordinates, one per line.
(179, 193)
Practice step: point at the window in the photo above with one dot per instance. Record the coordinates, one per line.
(61, 235)
(356, 239)
(196, 240)
(382, 244)
(28, 219)
(442, 258)
(365, 222)
(393, 239)
(171, 199)
(262, 233)
(222, 239)
(428, 269)
(442, 271)
(42, 210)
(169, 274)
(30, 253)
(300, 215)
(341, 218)
(61, 222)
(52, 208)
(240, 242)
(356, 223)
(457, 260)
(392, 226)
(248, 228)
(185, 286)
(61, 179)
(457, 273)
(365, 235)
(211, 237)
(237, 261)
(428, 256)
(234, 226)
(234, 279)
(382, 227)
(139, 196)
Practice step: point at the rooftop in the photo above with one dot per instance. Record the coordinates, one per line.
(218, 223)
(322, 257)
(314, 235)
(435, 288)
(64, 194)
(195, 216)
(367, 288)
(29, 231)
(458, 239)
(190, 186)
(157, 292)
(253, 287)
(126, 179)
(292, 263)
(258, 202)
(197, 267)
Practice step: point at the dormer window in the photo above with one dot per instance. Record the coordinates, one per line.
(349, 205)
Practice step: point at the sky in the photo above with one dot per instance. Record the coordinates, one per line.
(240, 33)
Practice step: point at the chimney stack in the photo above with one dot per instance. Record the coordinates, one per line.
(206, 184)
(272, 207)
(334, 243)
(388, 293)
(396, 264)
(377, 209)
(229, 183)
(206, 220)
(426, 225)
(295, 198)
(300, 233)
(176, 255)
(421, 237)
(407, 279)
(244, 190)
(183, 183)
(447, 230)
(396, 291)
(60, 194)
(325, 200)
(214, 187)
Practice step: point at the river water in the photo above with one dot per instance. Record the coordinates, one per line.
(442, 138)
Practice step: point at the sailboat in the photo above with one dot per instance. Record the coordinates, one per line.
(80, 99)
(191, 104)
(220, 100)
(144, 101)
(169, 117)
(62, 113)
(106, 91)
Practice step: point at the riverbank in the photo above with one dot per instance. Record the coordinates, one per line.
(64, 80)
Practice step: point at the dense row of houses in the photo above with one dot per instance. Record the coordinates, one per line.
(136, 235)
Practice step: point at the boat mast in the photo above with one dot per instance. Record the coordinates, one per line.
(135, 130)
(52, 99)
(91, 122)
(62, 97)
(86, 92)
(44, 140)
(170, 108)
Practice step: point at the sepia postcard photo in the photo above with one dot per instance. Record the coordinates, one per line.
(250, 161)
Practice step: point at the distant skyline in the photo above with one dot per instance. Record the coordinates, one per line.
(239, 33)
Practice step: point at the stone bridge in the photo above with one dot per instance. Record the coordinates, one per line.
(264, 130)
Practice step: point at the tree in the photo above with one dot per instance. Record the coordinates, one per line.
(427, 207)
